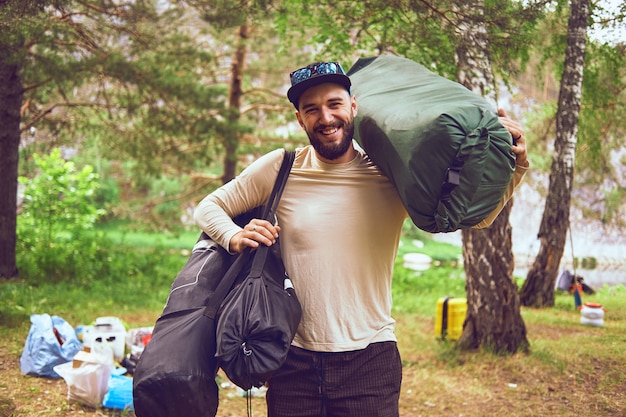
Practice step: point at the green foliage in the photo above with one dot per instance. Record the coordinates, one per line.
(140, 80)
(613, 203)
(416, 240)
(601, 124)
(418, 292)
(603, 116)
(347, 30)
(145, 87)
(58, 210)
(426, 32)
(131, 271)
(128, 280)
(127, 234)
(107, 194)
(58, 201)
(18, 20)
(159, 114)
(512, 28)
(540, 121)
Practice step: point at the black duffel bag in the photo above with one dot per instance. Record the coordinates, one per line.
(258, 321)
(175, 375)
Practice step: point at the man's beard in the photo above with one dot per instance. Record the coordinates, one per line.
(333, 151)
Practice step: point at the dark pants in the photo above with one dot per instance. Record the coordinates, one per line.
(362, 383)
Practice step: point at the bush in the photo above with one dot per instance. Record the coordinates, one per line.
(58, 211)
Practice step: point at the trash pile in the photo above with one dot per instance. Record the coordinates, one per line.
(96, 361)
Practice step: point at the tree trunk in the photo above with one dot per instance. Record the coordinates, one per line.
(11, 93)
(538, 289)
(493, 307)
(493, 318)
(231, 142)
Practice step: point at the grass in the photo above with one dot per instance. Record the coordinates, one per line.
(571, 370)
(122, 233)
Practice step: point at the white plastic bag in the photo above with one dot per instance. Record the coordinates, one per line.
(87, 383)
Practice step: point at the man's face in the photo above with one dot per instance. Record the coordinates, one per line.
(326, 113)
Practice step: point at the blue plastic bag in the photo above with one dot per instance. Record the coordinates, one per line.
(120, 394)
(51, 341)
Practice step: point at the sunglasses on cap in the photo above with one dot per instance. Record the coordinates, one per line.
(314, 74)
(320, 68)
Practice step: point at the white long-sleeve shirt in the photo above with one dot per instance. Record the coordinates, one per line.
(340, 228)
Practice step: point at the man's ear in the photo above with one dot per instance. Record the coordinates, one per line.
(355, 107)
(299, 119)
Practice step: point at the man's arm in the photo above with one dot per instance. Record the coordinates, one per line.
(248, 190)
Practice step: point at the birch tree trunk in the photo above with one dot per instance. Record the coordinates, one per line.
(538, 289)
(493, 318)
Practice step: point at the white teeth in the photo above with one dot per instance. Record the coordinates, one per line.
(329, 131)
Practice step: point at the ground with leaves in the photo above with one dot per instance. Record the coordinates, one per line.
(572, 370)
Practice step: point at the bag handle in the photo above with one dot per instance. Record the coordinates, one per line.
(272, 204)
(261, 253)
(227, 281)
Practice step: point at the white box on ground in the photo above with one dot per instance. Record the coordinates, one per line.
(108, 331)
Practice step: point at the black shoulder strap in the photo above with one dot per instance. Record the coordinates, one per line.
(272, 204)
(227, 281)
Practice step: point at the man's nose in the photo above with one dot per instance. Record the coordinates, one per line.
(326, 115)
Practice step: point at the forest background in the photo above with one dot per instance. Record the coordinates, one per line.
(164, 101)
(122, 115)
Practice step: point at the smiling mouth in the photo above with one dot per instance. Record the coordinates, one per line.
(329, 131)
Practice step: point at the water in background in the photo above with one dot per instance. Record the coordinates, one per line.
(601, 253)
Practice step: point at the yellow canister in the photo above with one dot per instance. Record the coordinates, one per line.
(450, 317)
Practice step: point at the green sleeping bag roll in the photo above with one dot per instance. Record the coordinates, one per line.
(441, 145)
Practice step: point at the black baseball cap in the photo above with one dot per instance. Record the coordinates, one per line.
(314, 74)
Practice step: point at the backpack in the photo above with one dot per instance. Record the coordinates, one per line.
(441, 145)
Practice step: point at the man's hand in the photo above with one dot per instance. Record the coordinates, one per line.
(253, 234)
(519, 140)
